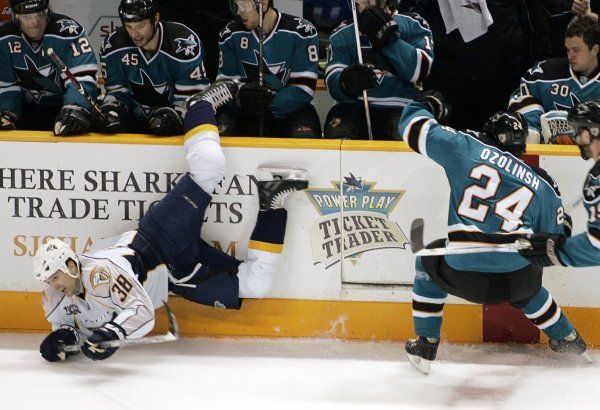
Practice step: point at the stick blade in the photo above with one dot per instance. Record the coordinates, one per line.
(416, 235)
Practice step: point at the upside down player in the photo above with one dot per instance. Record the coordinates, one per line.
(584, 249)
(494, 198)
(112, 293)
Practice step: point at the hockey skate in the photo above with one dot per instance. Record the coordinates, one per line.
(573, 343)
(276, 184)
(217, 94)
(421, 352)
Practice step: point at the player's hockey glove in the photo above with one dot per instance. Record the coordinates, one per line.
(253, 99)
(71, 120)
(544, 249)
(92, 349)
(434, 102)
(165, 121)
(356, 78)
(114, 111)
(379, 26)
(8, 121)
(50, 347)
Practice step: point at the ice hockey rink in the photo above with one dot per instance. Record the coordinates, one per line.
(296, 374)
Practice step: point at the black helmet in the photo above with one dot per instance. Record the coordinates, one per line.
(131, 11)
(508, 130)
(585, 115)
(28, 6)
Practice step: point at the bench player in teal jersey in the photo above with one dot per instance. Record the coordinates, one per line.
(494, 198)
(150, 67)
(290, 63)
(33, 92)
(397, 53)
(584, 249)
(560, 83)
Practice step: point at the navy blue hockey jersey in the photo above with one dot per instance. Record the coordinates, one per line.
(491, 191)
(27, 74)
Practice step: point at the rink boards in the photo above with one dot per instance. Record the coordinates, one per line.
(347, 267)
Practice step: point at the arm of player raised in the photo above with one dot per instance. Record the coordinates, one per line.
(425, 136)
(300, 89)
(412, 53)
(339, 57)
(79, 57)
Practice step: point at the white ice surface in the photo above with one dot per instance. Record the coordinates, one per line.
(287, 374)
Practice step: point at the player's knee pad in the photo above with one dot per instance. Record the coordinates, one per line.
(206, 160)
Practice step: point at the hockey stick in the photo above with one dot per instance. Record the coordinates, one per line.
(417, 244)
(63, 67)
(261, 64)
(360, 61)
(170, 336)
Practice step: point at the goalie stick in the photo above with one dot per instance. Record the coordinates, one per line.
(65, 70)
(170, 336)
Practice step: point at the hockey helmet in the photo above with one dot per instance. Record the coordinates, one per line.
(52, 257)
(585, 115)
(132, 11)
(508, 130)
(28, 6)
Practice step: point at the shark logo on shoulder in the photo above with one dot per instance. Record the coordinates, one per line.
(363, 226)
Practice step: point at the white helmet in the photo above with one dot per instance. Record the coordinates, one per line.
(51, 257)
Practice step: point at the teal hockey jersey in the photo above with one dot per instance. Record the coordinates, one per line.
(491, 191)
(27, 74)
(290, 60)
(552, 85)
(405, 60)
(165, 79)
(584, 249)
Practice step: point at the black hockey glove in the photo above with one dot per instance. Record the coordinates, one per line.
(254, 99)
(114, 111)
(91, 346)
(356, 78)
(544, 249)
(8, 121)
(379, 26)
(71, 120)
(50, 347)
(434, 102)
(568, 226)
(165, 121)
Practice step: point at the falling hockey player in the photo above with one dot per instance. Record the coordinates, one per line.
(494, 198)
(112, 293)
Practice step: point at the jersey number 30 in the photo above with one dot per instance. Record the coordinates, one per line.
(510, 208)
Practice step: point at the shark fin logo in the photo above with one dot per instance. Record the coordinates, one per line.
(354, 219)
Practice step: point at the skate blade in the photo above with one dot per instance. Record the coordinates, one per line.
(419, 363)
(275, 173)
